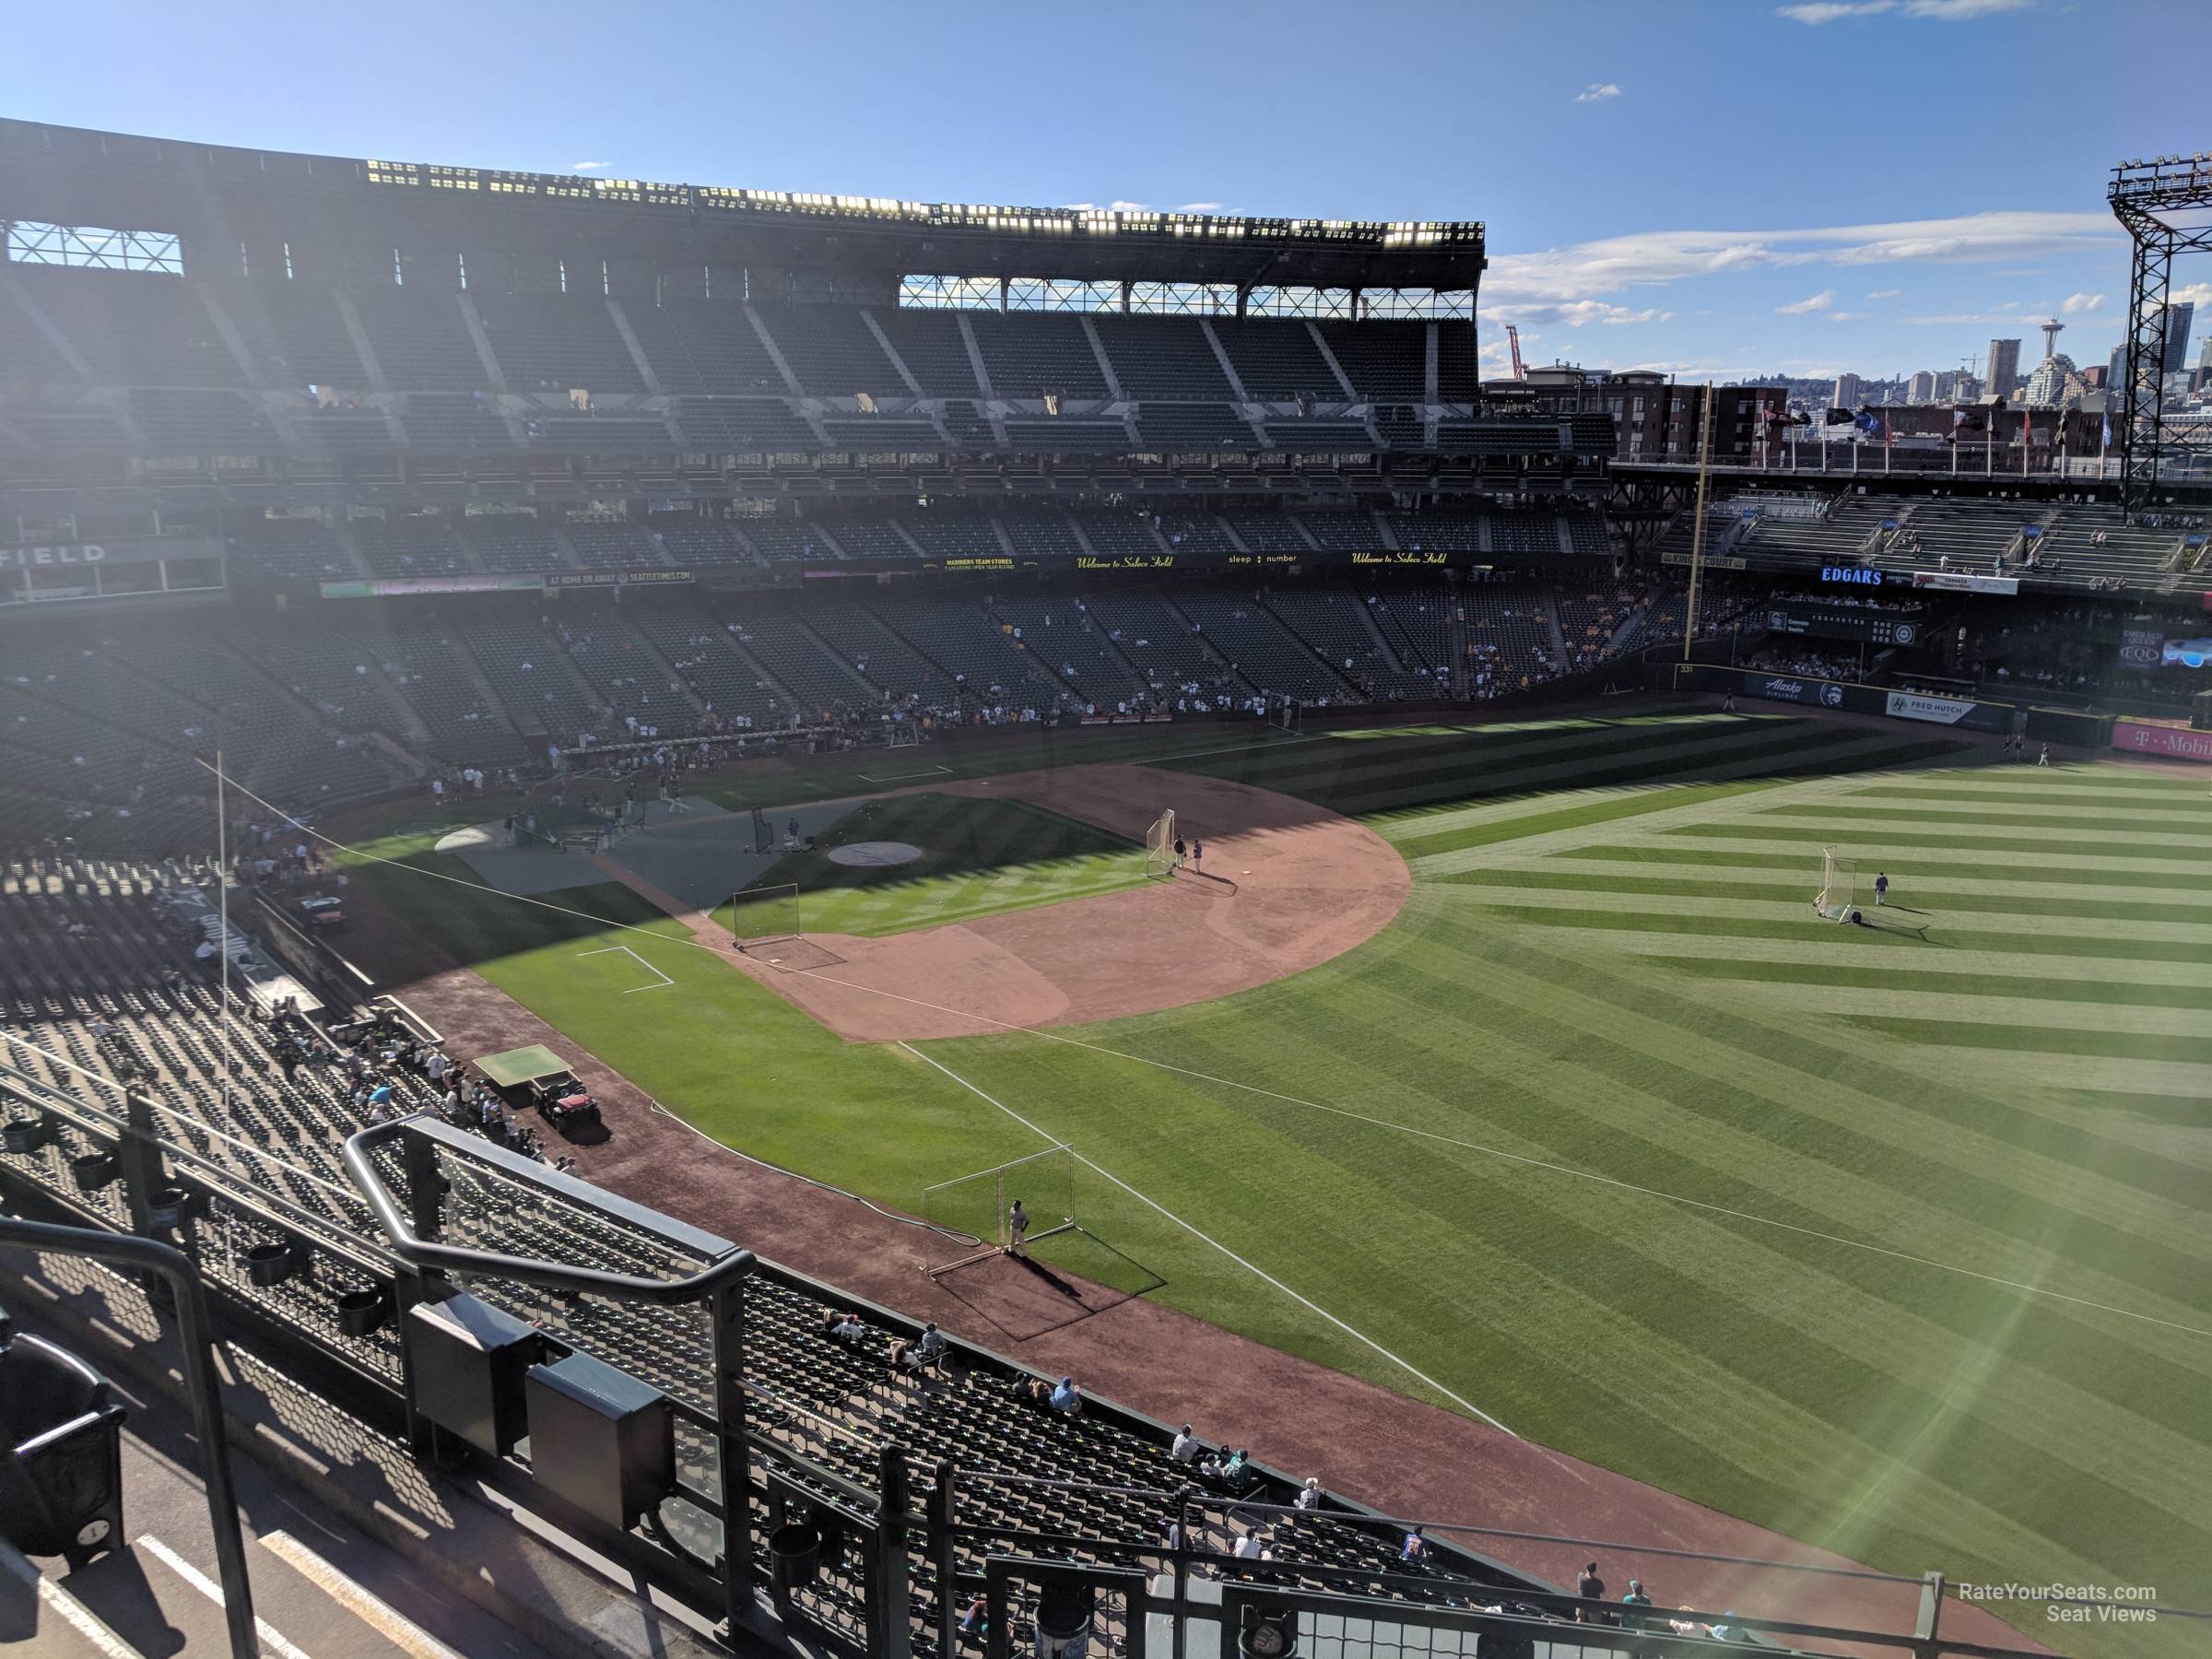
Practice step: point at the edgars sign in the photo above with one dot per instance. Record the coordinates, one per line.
(1851, 575)
(65, 553)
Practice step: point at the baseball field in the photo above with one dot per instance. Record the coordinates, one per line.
(1893, 1237)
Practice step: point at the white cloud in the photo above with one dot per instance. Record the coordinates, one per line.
(2082, 302)
(1884, 293)
(1130, 206)
(1829, 11)
(1597, 92)
(1585, 270)
(1849, 316)
(1798, 307)
(1573, 312)
(1814, 13)
(2199, 294)
(587, 166)
(1962, 11)
(1199, 207)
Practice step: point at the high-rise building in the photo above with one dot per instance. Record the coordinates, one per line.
(1847, 392)
(1920, 388)
(2004, 369)
(2179, 316)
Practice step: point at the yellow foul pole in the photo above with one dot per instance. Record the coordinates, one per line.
(1696, 533)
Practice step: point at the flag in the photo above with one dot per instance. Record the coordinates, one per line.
(1839, 417)
(1868, 422)
(2108, 432)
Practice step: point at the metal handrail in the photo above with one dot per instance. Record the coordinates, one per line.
(460, 1258)
(195, 1334)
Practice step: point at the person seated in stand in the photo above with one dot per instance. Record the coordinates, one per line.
(929, 1347)
(849, 1330)
(1414, 1548)
(976, 1620)
(1067, 1397)
(1186, 1447)
(1231, 1472)
(1309, 1495)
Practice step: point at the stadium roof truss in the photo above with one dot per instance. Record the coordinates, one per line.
(88, 247)
(2166, 207)
(71, 175)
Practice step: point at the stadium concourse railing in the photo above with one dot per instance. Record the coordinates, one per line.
(851, 1543)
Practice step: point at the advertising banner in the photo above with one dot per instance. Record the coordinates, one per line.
(2140, 645)
(2184, 653)
(623, 578)
(1942, 711)
(2173, 743)
(390, 587)
(1959, 582)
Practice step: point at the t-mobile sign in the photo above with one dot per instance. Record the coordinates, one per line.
(2174, 743)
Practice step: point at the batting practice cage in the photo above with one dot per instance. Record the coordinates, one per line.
(974, 1212)
(1839, 886)
(762, 915)
(1159, 845)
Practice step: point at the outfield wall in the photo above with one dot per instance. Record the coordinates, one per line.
(2167, 742)
(1808, 692)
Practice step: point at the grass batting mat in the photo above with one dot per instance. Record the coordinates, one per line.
(1611, 1134)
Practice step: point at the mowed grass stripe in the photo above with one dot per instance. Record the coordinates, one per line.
(2120, 845)
(1829, 944)
(1867, 939)
(1942, 928)
(2097, 989)
(2065, 781)
(2078, 872)
(1941, 898)
(2015, 1038)
(2089, 815)
(1637, 760)
(1952, 1006)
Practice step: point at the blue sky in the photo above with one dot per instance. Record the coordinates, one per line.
(1701, 186)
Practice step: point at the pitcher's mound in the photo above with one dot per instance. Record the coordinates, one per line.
(874, 854)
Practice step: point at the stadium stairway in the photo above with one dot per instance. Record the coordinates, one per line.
(353, 1551)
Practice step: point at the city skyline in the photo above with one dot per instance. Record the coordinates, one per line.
(1632, 223)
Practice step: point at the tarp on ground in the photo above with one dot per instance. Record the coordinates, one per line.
(515, 1067)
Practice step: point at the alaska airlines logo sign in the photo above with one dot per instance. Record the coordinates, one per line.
(65, 553)
(1828, 694)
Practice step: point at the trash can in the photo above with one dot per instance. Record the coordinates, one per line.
(601, 1438)
(468, 1360)
(61, 1484)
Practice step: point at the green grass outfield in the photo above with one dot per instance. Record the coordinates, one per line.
(1609, 968)
(978, 858)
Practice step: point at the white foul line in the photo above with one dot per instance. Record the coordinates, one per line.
(395, 1627)
(67, 1608)
(1258, 1272)
(207, 1587)
(934, 771)
(634, 957)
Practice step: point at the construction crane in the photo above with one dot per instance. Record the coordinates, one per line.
(1513, 338)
